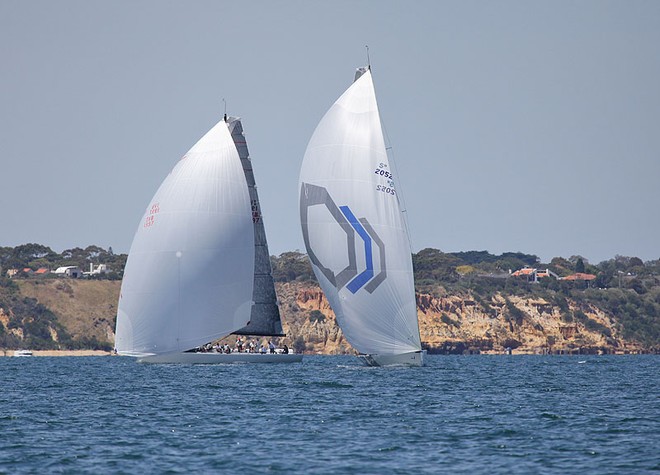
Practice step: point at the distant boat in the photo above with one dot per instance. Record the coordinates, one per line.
(354, 231)
(199, 269)
(22, 353)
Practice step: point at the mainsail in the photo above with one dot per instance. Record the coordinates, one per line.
(353, 228)
(189, 275)
(265, 317)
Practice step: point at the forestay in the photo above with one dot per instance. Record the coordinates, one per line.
(189, 275)
(353, 228)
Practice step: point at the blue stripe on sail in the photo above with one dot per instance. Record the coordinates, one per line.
(361, 279)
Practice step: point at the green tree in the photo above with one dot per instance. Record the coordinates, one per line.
(561, 266)
(299, 344)
(290, 266)
(23, 255)
(433, 266)
(316, 316)
(635, 262)
(637, 285)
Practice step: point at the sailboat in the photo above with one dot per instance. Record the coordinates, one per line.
(355, 233)
(198, 268)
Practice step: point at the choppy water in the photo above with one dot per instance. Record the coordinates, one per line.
(469, 414)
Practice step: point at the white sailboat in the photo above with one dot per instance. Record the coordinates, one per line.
(354, 231)
(198, 268)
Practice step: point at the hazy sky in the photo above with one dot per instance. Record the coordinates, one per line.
(516, 126)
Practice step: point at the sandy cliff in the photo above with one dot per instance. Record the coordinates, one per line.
(86, 308)
(455, 324)
(448, 324)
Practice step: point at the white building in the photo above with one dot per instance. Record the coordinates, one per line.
(69, 271)
(98, 270)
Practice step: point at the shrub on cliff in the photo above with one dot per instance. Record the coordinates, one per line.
(316, 316)
(290, 266)
(299, 344)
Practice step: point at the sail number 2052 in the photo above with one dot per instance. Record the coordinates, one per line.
(385, 189)
(383, 173)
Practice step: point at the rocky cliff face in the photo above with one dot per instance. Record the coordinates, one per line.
(448, 324)
(526, 325)
(455, 324)
(86, 308)
(322, 335)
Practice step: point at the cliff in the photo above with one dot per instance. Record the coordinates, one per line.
(86, 308)
(449, 323)
(51, 314)
(456, 324)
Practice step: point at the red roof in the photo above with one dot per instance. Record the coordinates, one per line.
(525, 271)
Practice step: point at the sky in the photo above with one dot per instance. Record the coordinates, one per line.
(522, 126)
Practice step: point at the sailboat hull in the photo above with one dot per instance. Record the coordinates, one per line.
(415, 358)
(220, 358)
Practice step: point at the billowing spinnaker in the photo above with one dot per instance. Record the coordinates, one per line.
(189, 274)
(353, 228)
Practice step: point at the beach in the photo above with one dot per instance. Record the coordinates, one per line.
(61, 353)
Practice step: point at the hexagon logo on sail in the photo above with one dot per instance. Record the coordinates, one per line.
(351, 226)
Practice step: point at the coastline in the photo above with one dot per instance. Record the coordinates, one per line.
(83, 353)
(10, 353)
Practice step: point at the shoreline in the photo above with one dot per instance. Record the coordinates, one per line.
(83, 353)
(10, 353)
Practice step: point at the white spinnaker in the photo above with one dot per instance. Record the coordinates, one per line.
(345, 156)
(189, 275)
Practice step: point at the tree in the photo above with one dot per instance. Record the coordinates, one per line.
(299, 344)
(316, 316)
(22, 255)
(636, 262)
(579, 266)
(561, 266)
(432, 265)
(638, 286)
(291, 266)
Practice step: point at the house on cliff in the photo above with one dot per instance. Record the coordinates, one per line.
(68, 271)
(96, 270)
(533, 275)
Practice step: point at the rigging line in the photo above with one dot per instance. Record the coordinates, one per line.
(397, 182)
(178, 301)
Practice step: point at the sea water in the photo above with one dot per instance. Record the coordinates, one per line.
(459, 414)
